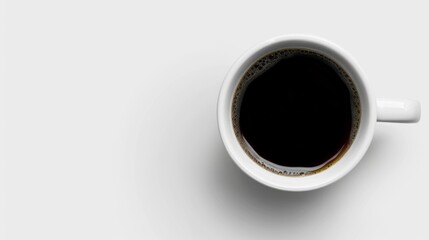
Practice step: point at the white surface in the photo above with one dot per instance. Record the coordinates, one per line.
(110, 122)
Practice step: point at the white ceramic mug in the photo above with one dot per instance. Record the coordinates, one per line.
(372, 110)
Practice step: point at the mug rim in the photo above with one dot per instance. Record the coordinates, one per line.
(293, 183)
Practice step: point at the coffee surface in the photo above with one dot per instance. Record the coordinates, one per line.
(296, 112)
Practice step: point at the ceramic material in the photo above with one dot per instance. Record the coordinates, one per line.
(372, 110)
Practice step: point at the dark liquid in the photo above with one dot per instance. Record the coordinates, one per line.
(298, 113)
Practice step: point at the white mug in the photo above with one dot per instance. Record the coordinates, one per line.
(372, 110)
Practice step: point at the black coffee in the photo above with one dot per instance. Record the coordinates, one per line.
(295, 112)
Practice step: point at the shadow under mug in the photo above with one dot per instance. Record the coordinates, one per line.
(372, 110)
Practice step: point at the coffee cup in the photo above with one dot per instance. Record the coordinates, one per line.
(268, 71)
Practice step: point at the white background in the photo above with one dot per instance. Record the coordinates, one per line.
(109, 122)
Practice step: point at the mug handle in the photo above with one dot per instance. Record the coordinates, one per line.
(398, 110)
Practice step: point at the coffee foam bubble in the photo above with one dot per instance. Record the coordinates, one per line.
(258, 68)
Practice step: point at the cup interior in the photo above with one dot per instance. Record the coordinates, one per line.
(322, 178)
